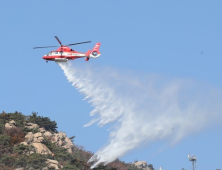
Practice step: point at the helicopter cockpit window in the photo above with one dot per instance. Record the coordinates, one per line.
(49, 54)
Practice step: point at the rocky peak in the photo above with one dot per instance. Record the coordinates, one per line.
(61, 139)
(37, 139)
(143, 165)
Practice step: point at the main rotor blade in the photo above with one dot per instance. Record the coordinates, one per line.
(58, 40)
(45, 47)
(79, 43)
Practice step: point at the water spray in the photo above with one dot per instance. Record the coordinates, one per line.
(143, 109)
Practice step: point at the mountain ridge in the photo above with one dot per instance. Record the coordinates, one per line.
(33, 142)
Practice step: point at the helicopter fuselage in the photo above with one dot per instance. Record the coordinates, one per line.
(65, 53)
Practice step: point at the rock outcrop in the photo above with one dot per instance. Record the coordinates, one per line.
(19, 169)
(31, 125)
(37, 139)
(34, 138)
(60, 139)
(143, 165)
(53, 164)
(42, 130)
(24, 143)
(41, 148)
(10, 124)
(48, 134)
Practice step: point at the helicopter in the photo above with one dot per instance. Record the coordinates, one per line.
(64, 53)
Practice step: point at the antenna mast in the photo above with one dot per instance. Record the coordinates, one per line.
(193, 159)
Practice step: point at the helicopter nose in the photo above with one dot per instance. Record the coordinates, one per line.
(44, 57)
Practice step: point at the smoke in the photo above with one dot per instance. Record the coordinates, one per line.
(144, 108)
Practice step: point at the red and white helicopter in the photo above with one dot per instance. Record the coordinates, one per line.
(64, 53)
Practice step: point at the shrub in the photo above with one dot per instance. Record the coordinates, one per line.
(20, 162)
(4, 140)
(2, 127)
(7, 160)
(5, 148)
(37, 161)
(21, 149)
(17, 136)
(68, 167)
(151, 166)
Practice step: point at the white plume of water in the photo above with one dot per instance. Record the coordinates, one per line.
(144, 109)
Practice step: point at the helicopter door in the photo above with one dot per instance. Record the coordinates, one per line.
(61, 52)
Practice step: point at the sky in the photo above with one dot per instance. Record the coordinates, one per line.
(174, 39)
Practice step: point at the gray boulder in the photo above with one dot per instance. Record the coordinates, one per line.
(41, 148)
(24, 143)
(142, 165)
(29, 137)
(60, 139)
(42, 130)
(31, 125)
(10, 124)
(47, 134)
(52, 164)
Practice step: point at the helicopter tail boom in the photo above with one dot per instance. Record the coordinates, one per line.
(95, 52)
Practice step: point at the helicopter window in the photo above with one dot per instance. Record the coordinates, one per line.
(94, 53)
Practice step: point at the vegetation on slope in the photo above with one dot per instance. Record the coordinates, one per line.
(14, 155)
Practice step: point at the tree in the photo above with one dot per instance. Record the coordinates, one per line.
(151, 166)
(43, 122)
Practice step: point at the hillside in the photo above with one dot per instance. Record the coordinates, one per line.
(29, 142)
